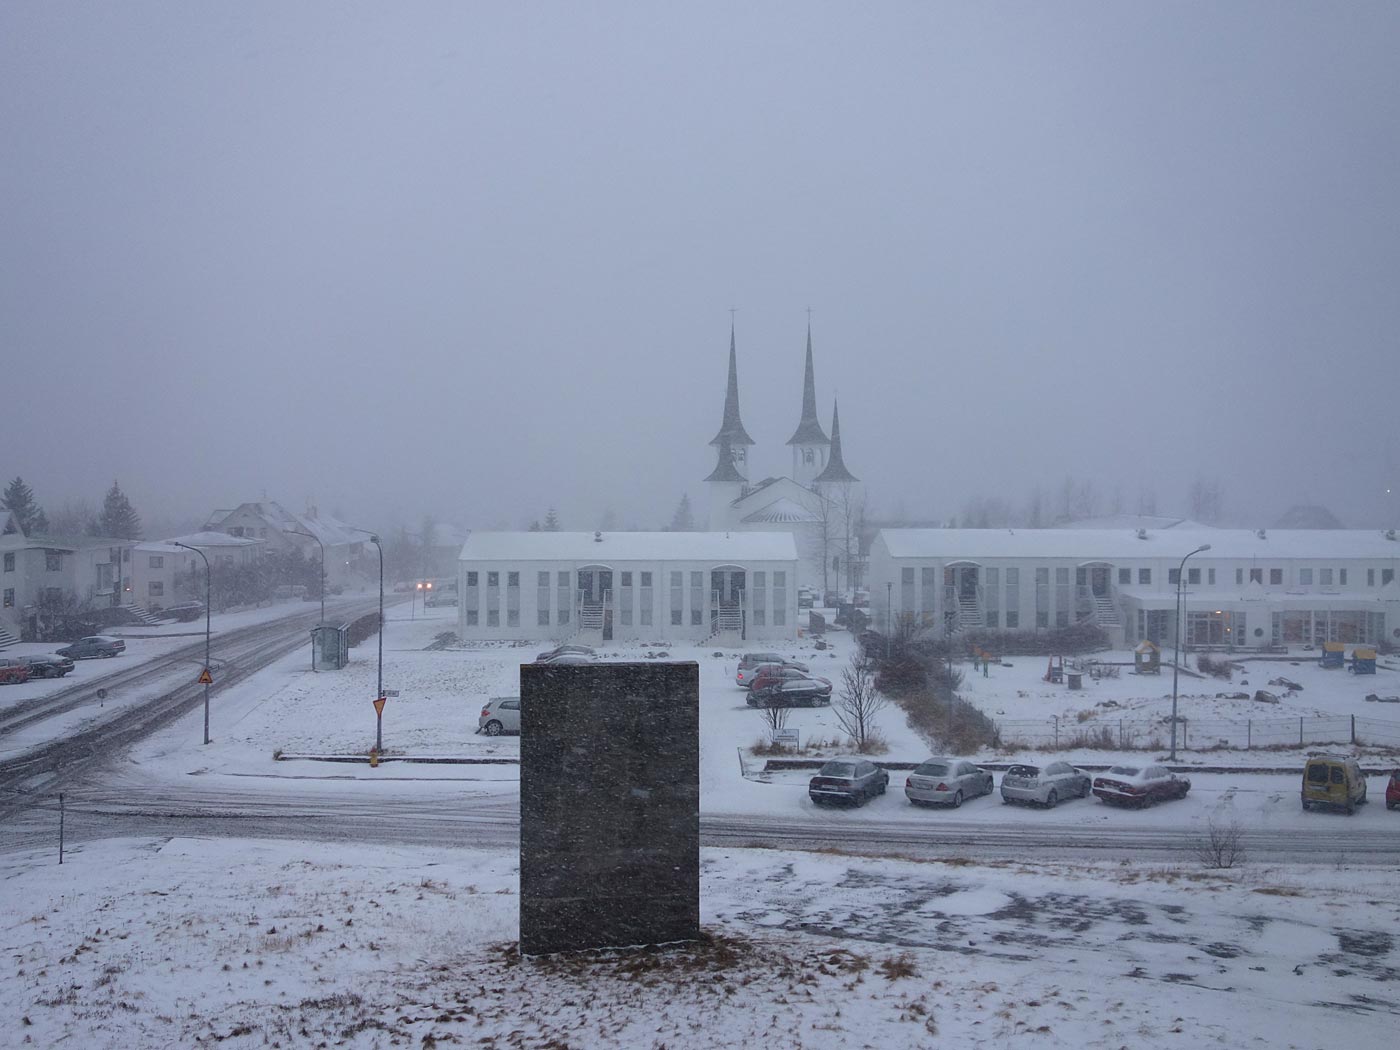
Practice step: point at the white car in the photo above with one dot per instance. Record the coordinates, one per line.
(946, 782)
(500, 714)
(1045, 785)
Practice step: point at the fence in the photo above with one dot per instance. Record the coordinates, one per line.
(1199, 734)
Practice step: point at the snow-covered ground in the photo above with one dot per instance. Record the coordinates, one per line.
(137, 943)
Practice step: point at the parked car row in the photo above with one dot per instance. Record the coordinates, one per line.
(953, 781)
(93, 646)
(18, 669)
(564, 655)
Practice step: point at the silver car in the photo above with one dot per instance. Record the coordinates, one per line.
(946, 782)
(1045, 785)
(500, 714)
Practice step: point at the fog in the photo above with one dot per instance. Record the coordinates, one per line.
(478, 260)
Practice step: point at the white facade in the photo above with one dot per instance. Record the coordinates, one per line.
(93, 572)
(1251, 590)
(280, 529)
(620, 586)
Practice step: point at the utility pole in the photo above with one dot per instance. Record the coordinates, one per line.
(205, 677)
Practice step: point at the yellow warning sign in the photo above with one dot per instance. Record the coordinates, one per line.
(205, 678)
(379, 705)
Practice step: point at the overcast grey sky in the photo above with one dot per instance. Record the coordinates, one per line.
(476, 259)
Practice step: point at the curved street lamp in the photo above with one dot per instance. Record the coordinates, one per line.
(208, 607)
(1176, 663)
(310, 536)
(379, 680)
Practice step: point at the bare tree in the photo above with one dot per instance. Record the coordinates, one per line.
(858, 703)
(824, 530)
(774, 719)
(1223, 846)
(851, 507)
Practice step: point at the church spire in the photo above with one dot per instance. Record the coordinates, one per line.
(809, 429)
(732, 429)
(835, 467)
(726, 469)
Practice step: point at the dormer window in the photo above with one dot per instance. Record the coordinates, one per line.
(808, 457)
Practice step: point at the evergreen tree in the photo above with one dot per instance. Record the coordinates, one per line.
(551, 521)
(119, 518)
(25, 515)
(683, 520)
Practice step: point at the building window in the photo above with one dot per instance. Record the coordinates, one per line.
(1013, 597)
(471, 579)
(760, 598)
(1275, 577)
(993, 619)
(10, 562)
(1210, 577)
(1304, 577)
(1144, 577)
(565, 596)
(1324, 577)
(906, 590)
(542, 592)
(9, 597)
(1173, 577)
(493, 617)
(1042, 618)
(1013, 619)
(779, 599)
(677, 599)
(512, 579)
(493, 579)
(1125, 577)
(53, 561)
(1239, 577)
(1193, 576)
(156, 588)
(646, 599)
(512, 599)
(625, 595)
(1386, 576)
(157, 561)
(1042, 597)
(697, 598)
(1370, 577)
(473, 618)
(1342, 577)
(1256, 576)
(928, 584)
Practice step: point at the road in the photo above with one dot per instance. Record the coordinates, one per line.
(74, 750)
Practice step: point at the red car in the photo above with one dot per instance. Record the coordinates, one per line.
(1139, 785)
(769, 674)
(1392, 791)
(13, 672)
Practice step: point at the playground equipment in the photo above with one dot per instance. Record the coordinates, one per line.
(1333, 655)
(1055, 670)
(1147, 659)
(1363, 661)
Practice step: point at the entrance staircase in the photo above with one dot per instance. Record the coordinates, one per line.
(590, 616)
(7, 637)
(726, 619)
(969, 613)
(1105, 612)
(140, 615)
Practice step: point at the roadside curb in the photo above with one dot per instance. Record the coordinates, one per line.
(428, 760)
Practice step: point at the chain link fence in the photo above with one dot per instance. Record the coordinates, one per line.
(1198, 734)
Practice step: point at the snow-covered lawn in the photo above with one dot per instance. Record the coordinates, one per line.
(264, 944)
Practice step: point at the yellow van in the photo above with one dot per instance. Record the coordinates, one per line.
(1333, 780)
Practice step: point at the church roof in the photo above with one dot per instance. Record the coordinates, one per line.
(781, 512)
(725, 470)
(835, 466)
(732, 429)
(612, 547)
(809, 429)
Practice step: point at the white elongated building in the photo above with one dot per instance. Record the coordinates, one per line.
(595, 587)
(1251, 590)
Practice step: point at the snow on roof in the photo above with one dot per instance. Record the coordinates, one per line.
(1125, 544)
(158, 547)
(1134, 521)
(782, 511)
(213, 539)
(630, 546)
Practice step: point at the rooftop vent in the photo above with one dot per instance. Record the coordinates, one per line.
(1390, 534)
(1260, 533)
(1142, 534)
(597, 537)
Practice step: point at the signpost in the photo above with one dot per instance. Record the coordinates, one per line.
(205, 678)
(379, 722)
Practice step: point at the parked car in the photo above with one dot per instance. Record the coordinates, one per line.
(13, 672)
(1140, 785)
(184, 612)
(766, 674)
(806, 598)
(570, 660)
(1045, 785)
(750, 662)
(1335, 781)
(47, 666)
(852, 780)
(559, 650)
(435, 598)
(793, 689)
(1392, 791)
(91, 646)
(501, 714)
(946, 782)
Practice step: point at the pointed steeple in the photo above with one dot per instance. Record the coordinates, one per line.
(725, 469)
(732, 429)
(835, 467)
(809, 429)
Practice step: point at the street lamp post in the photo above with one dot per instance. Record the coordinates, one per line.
(310, 536)
(889, 614)
(208, 609)
(379, 679)
(1176, 663)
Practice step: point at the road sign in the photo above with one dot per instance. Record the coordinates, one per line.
(379, 705)
(205, 678)
(391, 692)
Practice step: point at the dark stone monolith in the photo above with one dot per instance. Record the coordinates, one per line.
(609, 805)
